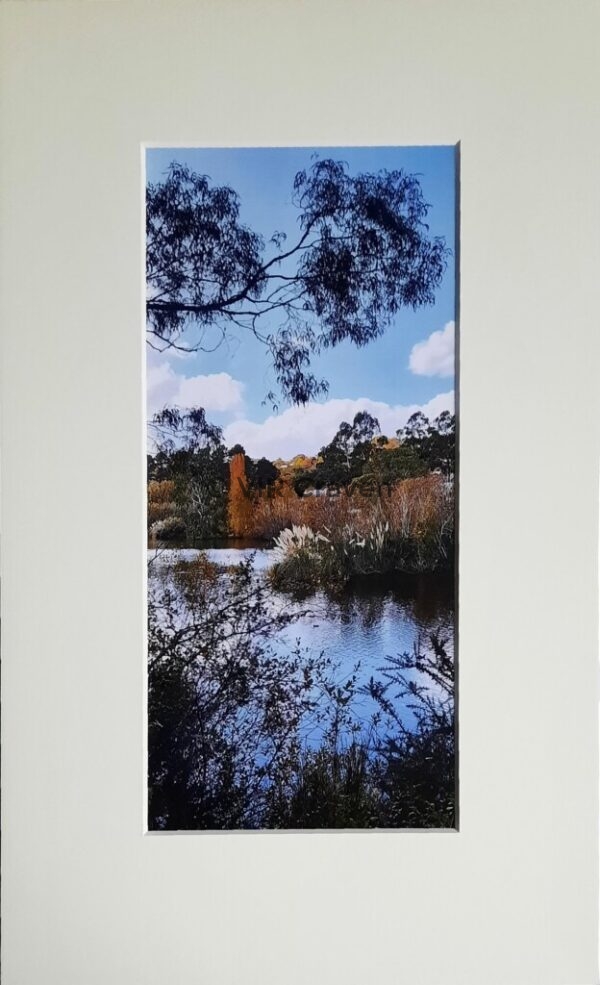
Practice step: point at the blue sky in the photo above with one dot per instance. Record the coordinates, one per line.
(410, 367)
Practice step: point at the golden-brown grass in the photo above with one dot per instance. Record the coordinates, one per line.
(413, 508)
(160, 501)
(161, 491)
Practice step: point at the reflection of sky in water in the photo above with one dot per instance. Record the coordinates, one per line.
(365, 626)
(366, 630)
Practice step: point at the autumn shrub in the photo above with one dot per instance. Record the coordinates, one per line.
(195, 578)
(162, 491)
(410, 530)
(161, 505)
(273, 513)
(415, 507)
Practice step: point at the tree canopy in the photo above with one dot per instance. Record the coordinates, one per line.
(360, 457)
(361, 252)
(190, 452)
(434, 442)
(344, 457)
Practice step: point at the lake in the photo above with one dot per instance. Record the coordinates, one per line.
(364, 625)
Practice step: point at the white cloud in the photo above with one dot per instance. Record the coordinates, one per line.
(306, 429)
(434, 356)
(215, 391)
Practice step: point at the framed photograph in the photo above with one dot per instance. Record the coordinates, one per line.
(299, 492)
(301, 487)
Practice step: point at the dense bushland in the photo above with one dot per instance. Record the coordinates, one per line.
(329, 542)
(244, 736)
(361, 477)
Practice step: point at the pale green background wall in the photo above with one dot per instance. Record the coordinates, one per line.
(90, 900)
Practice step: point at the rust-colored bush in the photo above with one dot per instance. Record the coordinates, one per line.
(196, 576)
(160, 501)
(419, 507)
(413, 507)
(161, 491)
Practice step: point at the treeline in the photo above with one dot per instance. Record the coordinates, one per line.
(191, 465)
(189, 473)
(360, 456)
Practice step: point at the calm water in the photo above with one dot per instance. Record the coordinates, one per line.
(366, 625)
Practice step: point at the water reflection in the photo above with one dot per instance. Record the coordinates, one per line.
(363, 625)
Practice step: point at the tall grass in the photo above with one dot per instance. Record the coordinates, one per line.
(413, 507)
(330, 541)
(161, 505)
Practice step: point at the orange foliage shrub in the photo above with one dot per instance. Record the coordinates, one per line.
(419, 507)
(161, 492)
(197, 575)
(160, 501)
(413, 507)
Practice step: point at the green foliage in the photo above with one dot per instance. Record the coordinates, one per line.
(344, 554)
(434, 443)
(344, 458)
(304, 480)
(224, 709)
(229, 720)
(158, 467)
(332, 788)
(236, 450)
(358, 460)
(383, 467)
(191, 453)
(303, 572)
(416, 768)
(201, 492)
(261, 474)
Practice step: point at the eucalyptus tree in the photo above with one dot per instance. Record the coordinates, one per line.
(360, 254)
(191, 452)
